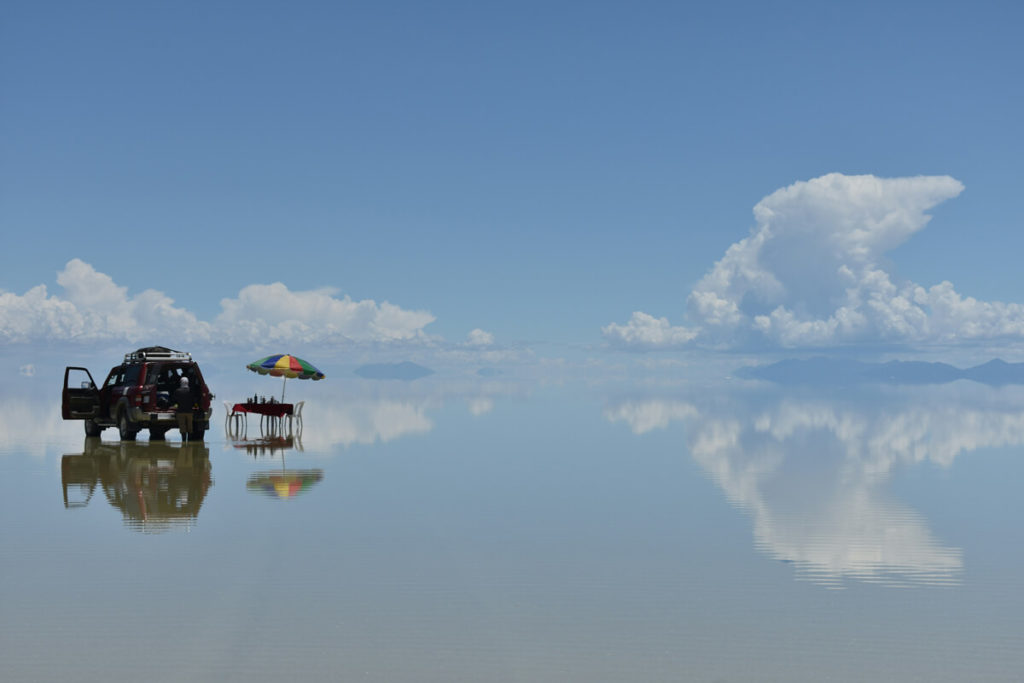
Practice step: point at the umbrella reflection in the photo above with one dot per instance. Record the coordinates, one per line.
(156, 485)
(283, 484)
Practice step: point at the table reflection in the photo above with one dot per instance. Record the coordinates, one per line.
(269, 446)
(813, 471)
(157, 486)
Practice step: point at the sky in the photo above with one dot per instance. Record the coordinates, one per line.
(493, 180)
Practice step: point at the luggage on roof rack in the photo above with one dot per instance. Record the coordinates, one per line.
(156, 353)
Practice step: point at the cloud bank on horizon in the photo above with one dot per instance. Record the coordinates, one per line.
(93, 308)
(811, 274)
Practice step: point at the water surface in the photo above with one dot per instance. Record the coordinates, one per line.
(430, 532)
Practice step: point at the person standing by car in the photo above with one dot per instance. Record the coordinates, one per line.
(183, 401)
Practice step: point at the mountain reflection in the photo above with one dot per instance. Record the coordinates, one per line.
(812, 471)
(156, 485)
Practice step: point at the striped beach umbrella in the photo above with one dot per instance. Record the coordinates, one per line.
(285, 365)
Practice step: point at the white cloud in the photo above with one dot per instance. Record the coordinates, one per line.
(645, 332)
(276, 314)
(94, 308)
(480, 405)
(480, 347)
(479, 337)
(812, 273)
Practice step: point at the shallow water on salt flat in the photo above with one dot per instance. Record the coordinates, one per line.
(497, 532)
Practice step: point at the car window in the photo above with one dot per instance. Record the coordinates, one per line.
(114, 378)
(174, 376)
(165, 380)
(131, 375)
(152, 373)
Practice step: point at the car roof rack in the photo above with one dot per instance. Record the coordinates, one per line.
(156, 353)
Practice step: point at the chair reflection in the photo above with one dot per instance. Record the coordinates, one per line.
(155, 485)
(269, 445)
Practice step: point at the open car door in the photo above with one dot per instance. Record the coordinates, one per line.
(80, 399)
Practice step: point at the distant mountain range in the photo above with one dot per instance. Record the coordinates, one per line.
(843, 371)
(406, 370)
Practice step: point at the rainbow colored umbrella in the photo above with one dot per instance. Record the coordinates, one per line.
(283, 484)
(285, 365)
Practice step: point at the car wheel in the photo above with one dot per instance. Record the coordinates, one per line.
(92, 429)
(126, 427)
(197, 434)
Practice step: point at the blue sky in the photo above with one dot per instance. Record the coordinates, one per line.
(529, 172)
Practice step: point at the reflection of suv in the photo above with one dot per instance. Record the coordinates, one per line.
(137, 395)
(157, 486)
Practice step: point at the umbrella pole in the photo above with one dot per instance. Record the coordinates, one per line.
(282, 387)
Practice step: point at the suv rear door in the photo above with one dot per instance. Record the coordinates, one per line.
(80, 399)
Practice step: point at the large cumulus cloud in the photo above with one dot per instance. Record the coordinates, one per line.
(275, 313)
(93, 308)
(811, 273)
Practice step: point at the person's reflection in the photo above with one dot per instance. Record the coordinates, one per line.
(155, 485)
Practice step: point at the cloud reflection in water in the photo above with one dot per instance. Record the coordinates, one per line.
(811, 471)
(363, 421)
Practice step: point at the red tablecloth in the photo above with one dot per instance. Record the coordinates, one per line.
(272, 409)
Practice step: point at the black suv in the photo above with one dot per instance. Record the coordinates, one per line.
(137, 395)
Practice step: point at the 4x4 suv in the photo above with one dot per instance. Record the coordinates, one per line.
(137, 395)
